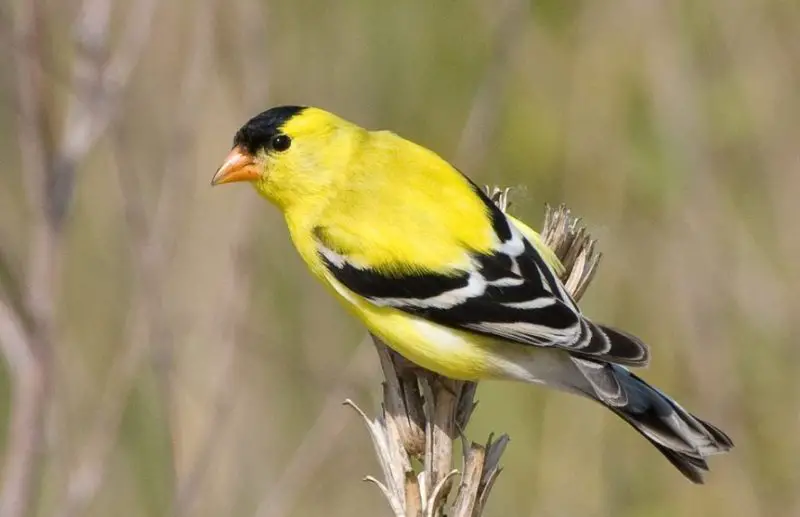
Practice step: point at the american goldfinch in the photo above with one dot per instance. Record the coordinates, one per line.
(430, 265)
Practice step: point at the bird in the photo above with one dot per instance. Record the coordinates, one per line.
(429, 264)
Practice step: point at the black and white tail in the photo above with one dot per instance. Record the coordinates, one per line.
(683, 438)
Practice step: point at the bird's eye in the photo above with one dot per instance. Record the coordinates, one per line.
(280, 142)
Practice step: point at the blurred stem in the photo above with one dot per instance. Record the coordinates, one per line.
(153, 240)
(28, 368)
(27, 350)
(50, 172)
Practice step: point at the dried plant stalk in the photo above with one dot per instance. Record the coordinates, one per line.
(423, 413)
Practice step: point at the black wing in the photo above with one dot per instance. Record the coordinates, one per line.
(510, 293)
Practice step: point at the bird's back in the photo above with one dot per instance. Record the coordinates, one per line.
(431, 209)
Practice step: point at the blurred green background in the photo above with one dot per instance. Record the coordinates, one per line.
(192, 366)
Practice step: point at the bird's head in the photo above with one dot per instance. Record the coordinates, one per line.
(290, 154)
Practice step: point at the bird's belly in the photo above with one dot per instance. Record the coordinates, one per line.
(449, 352)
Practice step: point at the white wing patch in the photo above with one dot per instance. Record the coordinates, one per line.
(507, 282)
(331, 256)
(476, 287)
(536, 303)
(515, 246)
(531, 333)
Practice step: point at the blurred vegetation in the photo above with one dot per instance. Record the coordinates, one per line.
(197, 369)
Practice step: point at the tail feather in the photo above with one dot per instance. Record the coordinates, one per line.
(690, 466)
(618, 346)
(681, 437)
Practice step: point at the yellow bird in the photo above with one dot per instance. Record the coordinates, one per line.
(430, 265)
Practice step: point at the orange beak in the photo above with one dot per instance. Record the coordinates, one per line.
(239, 165)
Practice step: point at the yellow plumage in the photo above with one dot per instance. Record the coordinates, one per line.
(428, 263)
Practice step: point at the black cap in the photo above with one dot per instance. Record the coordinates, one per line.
(259, 130)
